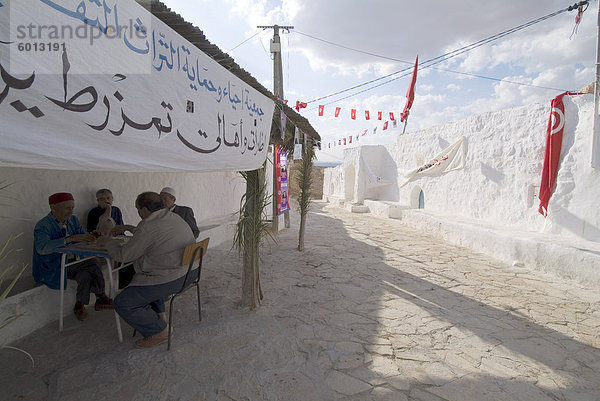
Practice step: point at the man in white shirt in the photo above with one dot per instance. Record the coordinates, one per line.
(156, 249)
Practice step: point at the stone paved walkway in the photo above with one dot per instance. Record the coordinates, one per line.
(371, 310)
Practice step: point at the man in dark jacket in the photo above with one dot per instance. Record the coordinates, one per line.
(104, 218)
(104, 210)
(168, 196)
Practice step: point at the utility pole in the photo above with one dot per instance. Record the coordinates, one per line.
(278, 91)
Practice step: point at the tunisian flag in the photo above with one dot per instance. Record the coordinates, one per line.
(410, 93)
(554, 136)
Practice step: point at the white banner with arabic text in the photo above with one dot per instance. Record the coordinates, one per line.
(105, 85)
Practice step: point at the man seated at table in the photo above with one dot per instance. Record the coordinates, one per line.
(156, 249)
(60, 228)
(168, 196)
(104, 211)
(104, 218)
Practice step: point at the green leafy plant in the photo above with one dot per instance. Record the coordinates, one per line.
(305, 182)
(252, 229)
(5, 251)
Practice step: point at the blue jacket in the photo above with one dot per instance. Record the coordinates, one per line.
(48, 235)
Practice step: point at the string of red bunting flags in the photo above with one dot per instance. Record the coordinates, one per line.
(347, 140)
(350, 139)
(353, 114)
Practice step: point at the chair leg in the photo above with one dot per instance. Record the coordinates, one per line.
(199, 305)
(170, 327)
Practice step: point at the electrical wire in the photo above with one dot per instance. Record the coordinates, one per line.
(433, 61)
(349, 48)
(269, 55)
(251, 37)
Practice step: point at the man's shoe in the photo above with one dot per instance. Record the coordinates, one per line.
(80, 311)
(103, 303)
(150, 342)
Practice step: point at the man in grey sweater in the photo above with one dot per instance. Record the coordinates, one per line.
(156, 249)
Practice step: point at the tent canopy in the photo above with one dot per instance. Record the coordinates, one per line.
(156, 97)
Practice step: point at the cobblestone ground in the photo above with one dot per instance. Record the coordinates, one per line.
(371, 310)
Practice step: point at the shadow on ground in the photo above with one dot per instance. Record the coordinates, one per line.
(370, 311)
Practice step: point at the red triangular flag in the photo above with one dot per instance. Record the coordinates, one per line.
(379, 115)
(391, 116)
(353, 114)
(337, 111)
(367, 116)
(321, 108)
(410, 93)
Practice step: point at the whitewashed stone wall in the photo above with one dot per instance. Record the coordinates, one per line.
(500, 182)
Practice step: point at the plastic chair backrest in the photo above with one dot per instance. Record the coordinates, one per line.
(192, 253)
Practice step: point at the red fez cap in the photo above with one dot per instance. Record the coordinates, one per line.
(60, 197)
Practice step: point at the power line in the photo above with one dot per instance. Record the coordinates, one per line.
(436, 60)
(499, 79)
(350, 48)
(251, 37)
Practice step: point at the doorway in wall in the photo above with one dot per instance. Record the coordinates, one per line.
(417, 198)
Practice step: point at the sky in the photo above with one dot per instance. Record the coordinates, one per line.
(336, 45)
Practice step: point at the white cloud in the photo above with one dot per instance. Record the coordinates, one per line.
(540, 55)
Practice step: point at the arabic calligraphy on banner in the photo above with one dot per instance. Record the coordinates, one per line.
(103, 84)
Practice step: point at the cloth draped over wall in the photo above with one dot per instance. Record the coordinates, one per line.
(132, 95)
(450, 159)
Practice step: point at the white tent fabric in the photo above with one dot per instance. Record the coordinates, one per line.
(450, 159)
(108, 86)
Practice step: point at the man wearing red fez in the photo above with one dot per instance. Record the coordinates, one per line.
(57, 229)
